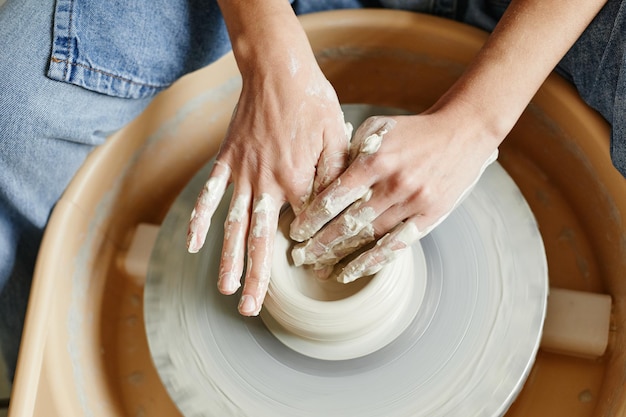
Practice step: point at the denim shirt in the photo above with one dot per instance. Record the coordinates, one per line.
(134, 49)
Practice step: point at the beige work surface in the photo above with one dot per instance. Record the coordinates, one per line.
(84, 350)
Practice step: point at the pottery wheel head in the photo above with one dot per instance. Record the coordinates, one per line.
(451, 328)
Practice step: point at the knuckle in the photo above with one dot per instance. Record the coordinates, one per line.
(402, 184)
(427, 196)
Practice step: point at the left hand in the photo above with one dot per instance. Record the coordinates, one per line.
(423, 168)
(427, 163)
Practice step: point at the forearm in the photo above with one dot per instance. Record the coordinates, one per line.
(265, 34)
(527, 44)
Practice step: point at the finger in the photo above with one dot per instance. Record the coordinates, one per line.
(337, 197)
(338, 235)
(299, 203)
(325, 265)
(333, 161)
(305, 253)
(368, 137)
(360, 224)
(263, 226)
(385, 250)
(234, 248)
(206, 204)
(423, 211)
(332, 201)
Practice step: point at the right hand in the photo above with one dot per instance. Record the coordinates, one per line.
(286, 142)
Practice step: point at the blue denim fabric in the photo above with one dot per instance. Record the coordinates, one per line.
(62, 95)
(451, 9)
(596, 65)
(134, 49)
(47, 128)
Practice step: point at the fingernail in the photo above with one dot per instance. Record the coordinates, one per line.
(191, 245)
(298, 255)
(300, 232)
(346, 278)
(247, 305)
(228, 284)
(351, 273)
(297, 234)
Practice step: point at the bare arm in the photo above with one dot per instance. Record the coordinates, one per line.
(285, 142)
(526, 45)
(427, 162)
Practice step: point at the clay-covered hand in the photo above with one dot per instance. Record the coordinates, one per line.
(287, 139)
(406, 174)
(426, 163)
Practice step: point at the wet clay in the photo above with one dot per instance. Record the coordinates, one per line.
(327, 319)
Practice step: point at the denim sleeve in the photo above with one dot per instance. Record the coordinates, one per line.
(596, 64)
(133, 49)
(618, 133)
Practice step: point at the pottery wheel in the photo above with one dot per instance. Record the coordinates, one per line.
(467, 351)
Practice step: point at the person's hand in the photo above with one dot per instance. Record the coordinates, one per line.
(286, 141)
(426, 163)
(406, 174)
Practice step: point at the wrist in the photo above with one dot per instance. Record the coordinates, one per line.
(473, 121)
(265, 36)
